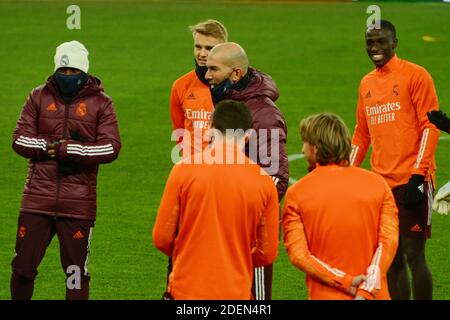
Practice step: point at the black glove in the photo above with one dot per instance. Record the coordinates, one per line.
(440, 120)
(75, 135)
(414, 191)
(67, 168)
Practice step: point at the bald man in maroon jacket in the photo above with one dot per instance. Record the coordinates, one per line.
(66, 129)
(230, 77)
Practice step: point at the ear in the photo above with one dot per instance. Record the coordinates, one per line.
(395, 43)
(236, 75)
(315, 149)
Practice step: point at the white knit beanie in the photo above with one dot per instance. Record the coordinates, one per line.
(72, 54)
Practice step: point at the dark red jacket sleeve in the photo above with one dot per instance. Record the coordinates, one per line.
(272, 155)
(26, 139)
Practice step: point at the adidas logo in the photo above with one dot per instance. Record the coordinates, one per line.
(191, 96)
(415, 228)
(51, 107)
(78, 235)
(368, 95)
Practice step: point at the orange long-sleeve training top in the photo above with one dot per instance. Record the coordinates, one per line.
(392, 117)
(217, 221)
(191, 107)
(340, 222)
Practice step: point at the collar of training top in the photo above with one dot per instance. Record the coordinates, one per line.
(390, 66)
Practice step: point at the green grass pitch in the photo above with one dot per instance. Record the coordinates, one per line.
(314, 51)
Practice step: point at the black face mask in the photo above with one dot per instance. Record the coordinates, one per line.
(219, 91)
(70, 84)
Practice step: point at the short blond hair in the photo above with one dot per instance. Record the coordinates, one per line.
(211, 28)
(330, 135)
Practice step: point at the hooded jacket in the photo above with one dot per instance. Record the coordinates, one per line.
(65, 185)
(259, 92)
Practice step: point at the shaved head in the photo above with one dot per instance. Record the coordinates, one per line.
(226, 62)
(231, 54)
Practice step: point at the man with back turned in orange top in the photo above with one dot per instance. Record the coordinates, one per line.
(392, 117)
(342, 238)
(219, 218)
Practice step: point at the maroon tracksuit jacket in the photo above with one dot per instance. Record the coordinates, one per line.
(260, 92)
(65, 186)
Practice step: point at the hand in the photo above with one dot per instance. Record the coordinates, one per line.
(414, 191)
(355, 284)
(441, 206)
(75, 135)
(439, 119)
(52, 148)
(444, 192)
(441, 203)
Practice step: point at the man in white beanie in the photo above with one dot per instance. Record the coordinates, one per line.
(66, 129)
(71, 66)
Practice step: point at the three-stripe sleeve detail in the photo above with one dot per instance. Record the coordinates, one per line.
(423, 145)
(334, 271)
(31, 142)
(90, 150)
(260, 289)
(353, 154)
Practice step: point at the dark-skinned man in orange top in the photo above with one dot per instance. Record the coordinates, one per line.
(392, 117)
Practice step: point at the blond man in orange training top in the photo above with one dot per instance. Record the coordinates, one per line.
(340, 222)
(392, 117)
(218, 219)
(191, 105)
